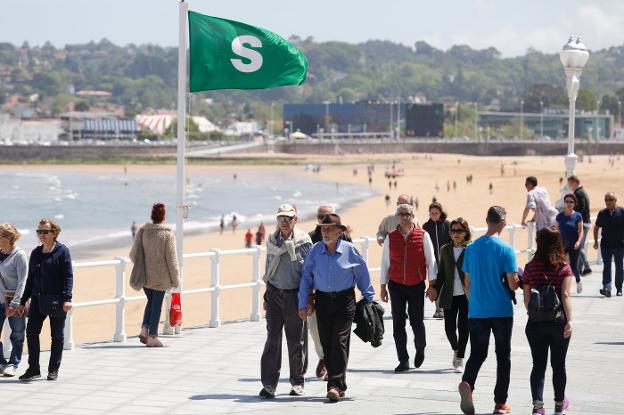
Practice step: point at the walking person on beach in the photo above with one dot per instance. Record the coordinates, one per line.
(248, 238)
(407, 261)
(449, 287)
(133, 229)
(490, 277)
(333, 268)
(287, 248)
(582, 207)
(260, 233)
(570, 224)
(222, 224)
(538, 200)
(439, 229)
(156, 242)
(389, 222)
(548, 266)
(49, 287)
(13, 275)
(611, 220)
(316, 236)
(234, 223)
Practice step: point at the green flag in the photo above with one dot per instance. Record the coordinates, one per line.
(226, 54)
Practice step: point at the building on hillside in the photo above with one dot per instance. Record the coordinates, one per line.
(159, 123)
(98, 126)
(40, 131)
(362, 119)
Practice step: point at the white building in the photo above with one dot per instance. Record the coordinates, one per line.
(16, 131)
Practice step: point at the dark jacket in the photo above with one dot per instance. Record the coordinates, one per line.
(316, 236)
(369, 322)
(582, 203)
(445, 281)
(439, 233)
(49, 273)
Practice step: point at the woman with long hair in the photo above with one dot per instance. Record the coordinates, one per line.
(549, 266)
(157, 241)
(438, 229)
(570, 225)
(449, 289)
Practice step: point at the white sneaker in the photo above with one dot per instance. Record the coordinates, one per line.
(579, 287)
(8, 371)
(459, 368)
(297, 390)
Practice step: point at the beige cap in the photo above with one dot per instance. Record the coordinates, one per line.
(287, 210)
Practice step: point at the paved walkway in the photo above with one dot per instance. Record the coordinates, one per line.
(215, 371)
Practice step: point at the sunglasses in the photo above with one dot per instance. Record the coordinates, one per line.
(284, 218)
(320, 217)
(610, 200)
(457, 230)
(43, 231)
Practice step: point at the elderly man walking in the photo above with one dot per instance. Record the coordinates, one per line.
(538, 200)
(333, 268)
(407, 260)
(490, 273)
(611, 220)
(287, 248)
(390, 222)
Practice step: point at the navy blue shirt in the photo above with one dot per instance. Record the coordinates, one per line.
(49, 273)
(568, 227)
(612, 224)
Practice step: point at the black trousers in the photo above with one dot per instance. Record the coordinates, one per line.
(335, 313)
(33, 330)
(456, 323)
(480, 329)
(412, 297)
(542, 338)
(283, 313)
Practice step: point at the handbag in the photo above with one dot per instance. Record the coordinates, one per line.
(137, 276)
(175, 312)
(51, 305)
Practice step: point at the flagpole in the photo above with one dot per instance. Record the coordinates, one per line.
(181, 207)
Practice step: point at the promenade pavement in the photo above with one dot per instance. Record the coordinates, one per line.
(216, 371)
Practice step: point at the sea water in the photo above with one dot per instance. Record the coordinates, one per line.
(96, 210)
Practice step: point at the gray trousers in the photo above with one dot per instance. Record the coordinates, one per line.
(282, 312)
(583, 263)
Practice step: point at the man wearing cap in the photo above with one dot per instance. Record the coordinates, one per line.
(390, 222)
(490, 273)
(316, 236)
(333, 268)
(287, 248)
(407, 258)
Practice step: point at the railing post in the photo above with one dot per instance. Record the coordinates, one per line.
(531, 233)
(599, 250)
(68, 344)
(365, 248)
(512, 237)
(255, 291)
(120, 296)
(215, 269)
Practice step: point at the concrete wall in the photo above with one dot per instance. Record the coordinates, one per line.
(18, 153)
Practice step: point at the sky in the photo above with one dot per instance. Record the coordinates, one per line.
(510, 26)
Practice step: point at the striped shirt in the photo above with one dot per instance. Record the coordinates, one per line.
(537, 272)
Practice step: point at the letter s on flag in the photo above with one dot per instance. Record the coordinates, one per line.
(255, 58)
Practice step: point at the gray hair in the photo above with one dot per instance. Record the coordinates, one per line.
(403, 207)
(330, 207)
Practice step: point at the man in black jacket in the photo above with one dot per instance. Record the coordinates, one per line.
(582, 207)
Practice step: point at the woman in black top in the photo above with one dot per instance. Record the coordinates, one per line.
(439, 229)
(49, 288)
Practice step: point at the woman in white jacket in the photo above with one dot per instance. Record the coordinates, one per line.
(161, 270)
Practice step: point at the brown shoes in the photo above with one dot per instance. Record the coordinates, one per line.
(334, 395)
(321, 370)
(152, 341)
(143, 335)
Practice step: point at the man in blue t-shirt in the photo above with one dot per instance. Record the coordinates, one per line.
(490, 279)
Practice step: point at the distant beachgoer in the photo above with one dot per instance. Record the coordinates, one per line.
(370, 181)
(355, 172)
(390, 185)
(248, 238)
(13, 276)
(560, 181)
(157, 241)
(49, 268)
(222, 224)
(458, 161)
(491, 187)
(502, 170)
(454, 185)
(389, 222)
(133, 229)
(437, 186)
(387, 198)
(395, 184)
(234, 223)
(260, 233)
(235, 176)
(538, 200)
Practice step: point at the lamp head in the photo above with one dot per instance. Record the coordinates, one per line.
(574, 54)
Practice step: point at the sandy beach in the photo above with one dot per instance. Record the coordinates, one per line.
(420, 176)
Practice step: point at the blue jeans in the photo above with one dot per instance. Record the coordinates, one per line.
(480, 329)
(617, 254)
(18, 329)
(151, 316)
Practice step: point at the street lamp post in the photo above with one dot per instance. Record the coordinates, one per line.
(542, 119)
(597, 128)
(620, 113)
(476, 121)
(573, 56)
(456, 115)
(271, 125)
(522, 120)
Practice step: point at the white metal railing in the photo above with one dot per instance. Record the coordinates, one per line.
(216, 287)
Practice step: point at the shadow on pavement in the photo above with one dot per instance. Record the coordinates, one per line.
(255, 399)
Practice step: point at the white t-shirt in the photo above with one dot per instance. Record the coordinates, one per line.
(538, 199)
(458, 287)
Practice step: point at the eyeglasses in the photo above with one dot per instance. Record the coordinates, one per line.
(405, 215)
(43, 231)
(284, 218)
(458, 230)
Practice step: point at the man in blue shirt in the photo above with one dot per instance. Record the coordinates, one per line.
(490, 273)
(333, 268)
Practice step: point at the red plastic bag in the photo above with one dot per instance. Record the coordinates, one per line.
(175, 312)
